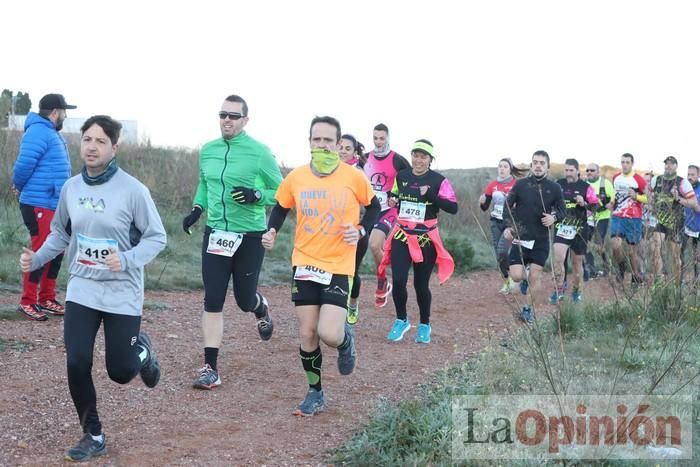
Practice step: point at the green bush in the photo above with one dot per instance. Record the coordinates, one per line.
(460, 247)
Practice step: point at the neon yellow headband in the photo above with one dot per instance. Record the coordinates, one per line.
(423, 147)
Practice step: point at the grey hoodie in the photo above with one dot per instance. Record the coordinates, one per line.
(118, 214)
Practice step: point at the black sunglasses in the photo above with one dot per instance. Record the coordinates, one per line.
(230, 115)
(590, 170)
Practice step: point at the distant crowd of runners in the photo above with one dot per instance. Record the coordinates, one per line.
(576, 216)
(345, 201)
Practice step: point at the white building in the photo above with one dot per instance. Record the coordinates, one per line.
(71, 125)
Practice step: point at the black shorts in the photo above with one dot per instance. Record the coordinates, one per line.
(386, 220)
(671, 233)
(578, 245)
(312, 293)
(537, 255)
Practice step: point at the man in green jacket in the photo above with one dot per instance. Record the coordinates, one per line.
(238, 177)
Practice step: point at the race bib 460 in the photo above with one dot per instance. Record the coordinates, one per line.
(224, 243)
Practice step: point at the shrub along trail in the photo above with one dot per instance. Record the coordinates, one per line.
(248, 419)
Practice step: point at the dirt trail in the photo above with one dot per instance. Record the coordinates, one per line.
(248, 419)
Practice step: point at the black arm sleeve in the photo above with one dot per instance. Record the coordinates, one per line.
(371, 213)
(446, 205)
(400, 162)
(486, 203)
(558, 208)
(277, 217)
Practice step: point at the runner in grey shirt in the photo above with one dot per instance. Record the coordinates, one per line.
(109, 223)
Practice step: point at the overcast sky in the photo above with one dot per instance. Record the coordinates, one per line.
(481, 80)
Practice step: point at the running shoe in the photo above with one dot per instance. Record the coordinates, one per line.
(423, 335)
(523, 286)
(527, 315)
(576, 296)
(33, 312)
(587, 274)
(508, 285)
(399, 328)
(87, 448)
(313, 403)
(382, 294)
(348, 355)
(353, 314)
(264, 324)
(208, 378)
(150, 367)
(52, 307)
(557, 296)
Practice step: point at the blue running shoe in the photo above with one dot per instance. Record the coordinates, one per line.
(208, 378)
(399, 328)
(527, 315)
(347, 355)
(576, 296)
(313, 403)
(87, 448)
(556, 297)
(523, 286)
(423, 336)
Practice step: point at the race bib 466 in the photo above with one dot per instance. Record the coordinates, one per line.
(313, 274)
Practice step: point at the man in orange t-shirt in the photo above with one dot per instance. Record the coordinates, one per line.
(327, 196)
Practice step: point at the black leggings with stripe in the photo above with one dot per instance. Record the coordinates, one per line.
(359, 255)
(80, 328)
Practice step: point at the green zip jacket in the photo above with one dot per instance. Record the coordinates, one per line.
(240, 161)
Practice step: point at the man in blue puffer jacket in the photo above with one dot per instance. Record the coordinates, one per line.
(41, 169)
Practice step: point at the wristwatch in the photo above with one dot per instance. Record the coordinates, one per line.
(258, 195)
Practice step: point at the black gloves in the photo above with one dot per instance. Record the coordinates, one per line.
(191, 219)
(243, 195)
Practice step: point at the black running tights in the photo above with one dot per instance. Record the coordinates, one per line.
(121, 356)
(400, 264)
(362, 245)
